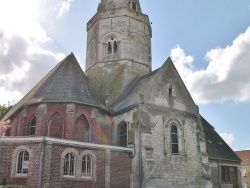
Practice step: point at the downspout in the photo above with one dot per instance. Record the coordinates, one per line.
(41, 164)
(140, 141)
(219, 174)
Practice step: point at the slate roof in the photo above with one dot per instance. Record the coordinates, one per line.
(132, 95)
(217, 148)
(244, 156)
(65, 83)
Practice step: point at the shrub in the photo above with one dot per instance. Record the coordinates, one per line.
(12, 186)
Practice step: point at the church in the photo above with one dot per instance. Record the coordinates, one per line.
(118, 124)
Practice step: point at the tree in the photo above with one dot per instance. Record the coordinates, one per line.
(3, 127)
(3, 110)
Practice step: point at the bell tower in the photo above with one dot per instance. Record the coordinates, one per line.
(118, 47)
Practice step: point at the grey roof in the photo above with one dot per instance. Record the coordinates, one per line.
(132, 95)
(217, 148)
(146, 83)
(65, 83)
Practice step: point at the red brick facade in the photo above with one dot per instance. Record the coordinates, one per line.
(72, 127)
(120, 166)
(59, 121)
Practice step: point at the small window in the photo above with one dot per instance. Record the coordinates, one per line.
(122, 134)
(69, 165)
(22, 167)
(115, 47)
(174, 140)
(228, 174)
(87, 166)
(32, 126)
(134, 7)
(109, 48)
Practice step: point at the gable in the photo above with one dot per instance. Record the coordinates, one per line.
(155, 88)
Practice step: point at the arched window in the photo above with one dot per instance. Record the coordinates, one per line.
(22, 164)
(115, 47)
(122, 134)
(134, 7)
(82, 130)
(32, 126)
(109, 48)
(87, 166)
(69, 164)
(174, 140)
(56, 125)
(112, 45)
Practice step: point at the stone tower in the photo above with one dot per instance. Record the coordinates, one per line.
(118, 47)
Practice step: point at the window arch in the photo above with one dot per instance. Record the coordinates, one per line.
(56, 125)
(112, 46)
(69, 164)
(122, 133)
(32, 126)
(87, 166)
(88, 162)
(174, 140)
(20, 166)
(82, 129)
(22, 163)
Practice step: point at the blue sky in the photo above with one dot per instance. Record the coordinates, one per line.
(209, 42)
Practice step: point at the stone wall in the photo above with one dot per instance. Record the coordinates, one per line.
(216, 174)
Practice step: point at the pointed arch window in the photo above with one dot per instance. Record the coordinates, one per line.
(82, 129)
(32, 126)
(87, 166)
(69, 164)
(22, 167)
(56, 126)
(174, 140)
(122, 133)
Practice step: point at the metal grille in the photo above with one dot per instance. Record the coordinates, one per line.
(22, 162)
(69, 165)
(87, 166)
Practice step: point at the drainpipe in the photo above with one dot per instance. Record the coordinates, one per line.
(41, 164)
(219, 174)
(140, 141)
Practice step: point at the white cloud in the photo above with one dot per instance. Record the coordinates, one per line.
(63, 7)
(225, 78)
(23, 60)
(228, 138)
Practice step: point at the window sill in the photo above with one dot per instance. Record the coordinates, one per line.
(68, 177)
(77, 178)
(20, 176)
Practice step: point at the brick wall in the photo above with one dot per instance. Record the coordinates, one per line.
(100, 124)
(121, 170)
(6, 151)
(119, 166)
